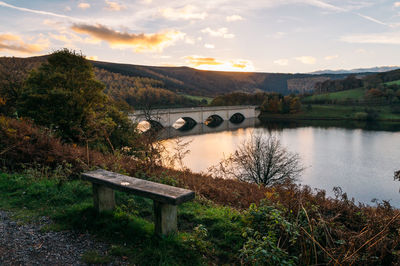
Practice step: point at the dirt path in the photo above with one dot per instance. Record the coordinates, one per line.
(26, 244)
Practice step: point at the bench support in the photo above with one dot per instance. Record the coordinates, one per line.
(165, 216)
(103, 198)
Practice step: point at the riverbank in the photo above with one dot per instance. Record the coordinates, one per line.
(229, 222)
(337, 112)
(291, 226)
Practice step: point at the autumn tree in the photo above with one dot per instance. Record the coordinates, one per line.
(13, 72)
(64, 95)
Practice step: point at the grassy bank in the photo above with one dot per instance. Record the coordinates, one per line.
(207, 232)
(336, 112)
(229, 222)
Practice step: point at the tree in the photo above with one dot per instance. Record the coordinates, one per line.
(64, 95)
(261, 160)
(13, 72)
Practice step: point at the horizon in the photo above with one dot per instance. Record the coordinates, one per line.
(291, 36)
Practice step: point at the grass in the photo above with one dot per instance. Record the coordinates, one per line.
(336, 112)
(207, 232)
(396, 82)
(198, 98)
(341, 95)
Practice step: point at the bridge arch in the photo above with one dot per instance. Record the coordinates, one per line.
(213, 120)
(185, 123)
(146, 125)
(237, 118)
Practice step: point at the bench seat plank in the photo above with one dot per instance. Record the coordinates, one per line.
(155, 191)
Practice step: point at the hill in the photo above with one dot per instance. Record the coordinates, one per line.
(187, 81)
(211, 83)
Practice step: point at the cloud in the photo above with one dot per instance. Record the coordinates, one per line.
(197, 61)
(396, 4)
(327, 6)
(93, 57)
(221, 32)
(375, 38)
(372, 19)
(187, 12)
(114, 6)
(320, 4)
(282, 62)
(210, 63)
(141, 42)
(40, 12)
(209, 46)
(233, 18)
(15, 43)
(84, 6)
(331, 57)
(190, 40)
(308, 60)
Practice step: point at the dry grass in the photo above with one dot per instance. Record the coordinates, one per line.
(333, 230)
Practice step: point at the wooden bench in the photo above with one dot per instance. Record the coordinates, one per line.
(165, 198)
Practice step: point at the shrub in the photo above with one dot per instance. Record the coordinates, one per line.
(361, 116)
(267, 236)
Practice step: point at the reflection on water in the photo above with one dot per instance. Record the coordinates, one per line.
(359, 160)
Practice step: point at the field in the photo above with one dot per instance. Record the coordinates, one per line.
(198, 98)
(336, 112)
(396, 82)
(341, 95)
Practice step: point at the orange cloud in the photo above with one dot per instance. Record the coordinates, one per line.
(84, 5)
(15, 43)
(210, 63)
(114, 6)
(139, 42)
(197, 61)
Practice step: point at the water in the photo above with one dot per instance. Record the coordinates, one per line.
(359, 160)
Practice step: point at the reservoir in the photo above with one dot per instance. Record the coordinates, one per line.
(358, 157)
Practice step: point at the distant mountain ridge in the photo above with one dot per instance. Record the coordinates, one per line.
(186, 80)
(211, 83)
(357, 70)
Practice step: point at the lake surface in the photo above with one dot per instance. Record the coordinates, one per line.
(359, 160)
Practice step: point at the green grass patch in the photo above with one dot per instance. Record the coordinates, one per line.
(93, 257)
(339, 96)
(198, 98)
(337, 112)
(208, 233)
(396, 82)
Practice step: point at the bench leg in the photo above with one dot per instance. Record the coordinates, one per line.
(103, 198)
(166, 220)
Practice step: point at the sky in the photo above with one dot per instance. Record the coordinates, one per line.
(289, 36)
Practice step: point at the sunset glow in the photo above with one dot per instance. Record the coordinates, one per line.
(265, 36)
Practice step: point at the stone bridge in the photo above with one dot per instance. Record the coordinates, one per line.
(198, 115)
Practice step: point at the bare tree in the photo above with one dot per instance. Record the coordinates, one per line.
(261, 160)
(178, 148)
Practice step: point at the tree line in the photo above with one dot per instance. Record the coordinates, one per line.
(270, 102)
(372, 81)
